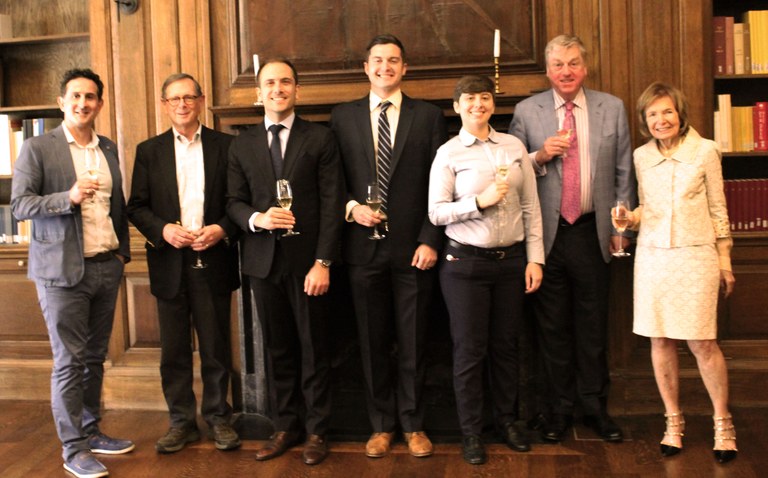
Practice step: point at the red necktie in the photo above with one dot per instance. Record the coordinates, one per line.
(570, 201)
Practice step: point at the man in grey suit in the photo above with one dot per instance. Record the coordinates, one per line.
(580, 147)
(77, 252)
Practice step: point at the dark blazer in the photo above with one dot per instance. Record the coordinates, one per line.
(154, 203)
(421, 129)
(610, 152)
(311, 164)
(43, 175)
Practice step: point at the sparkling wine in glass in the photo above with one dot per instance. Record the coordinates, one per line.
(620, 221)
(285, 201)
(502, 167)
(565, 133)
(373, 200)
(92, 165)
(195, 224)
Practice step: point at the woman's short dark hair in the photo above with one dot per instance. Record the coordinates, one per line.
(655, 91)
(474, 84)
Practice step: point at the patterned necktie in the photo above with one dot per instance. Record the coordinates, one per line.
(570, 201)
(275, 151)
(384, 154)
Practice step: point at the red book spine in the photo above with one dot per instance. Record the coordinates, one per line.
(729, 52)
(760, 125)
(718, 45)
(728, 191)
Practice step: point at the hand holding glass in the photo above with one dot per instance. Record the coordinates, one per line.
(373, 200)
(92, 165)
(285, 200)
(194, 226)
(620, 222)
(566, 135)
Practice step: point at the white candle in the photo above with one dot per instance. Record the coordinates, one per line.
(496, 43)
(256, 65)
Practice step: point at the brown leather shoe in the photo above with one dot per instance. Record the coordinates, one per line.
(315, 450)
(278, 443)
(419, 444)
(379, 444)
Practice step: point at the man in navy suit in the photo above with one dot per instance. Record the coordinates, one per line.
(289, 274)
(178, 202)
(77, 252)
(576, 192)
(392, 279)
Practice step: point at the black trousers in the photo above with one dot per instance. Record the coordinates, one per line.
(571, 312)
(485, 303)
(391, 305)
(196, 306)
(295, 328)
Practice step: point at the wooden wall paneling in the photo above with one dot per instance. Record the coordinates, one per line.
(164, 54)
(101, 62)
(62, 16)
(695, 62)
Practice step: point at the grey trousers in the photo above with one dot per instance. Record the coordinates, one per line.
(79, 321)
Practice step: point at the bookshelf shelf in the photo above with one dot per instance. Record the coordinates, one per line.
(46, 39)
(32, 111)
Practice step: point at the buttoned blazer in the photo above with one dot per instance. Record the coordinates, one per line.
(421, 130)
(154, 202)
(612, 173)
(311, 164)
(43, 175)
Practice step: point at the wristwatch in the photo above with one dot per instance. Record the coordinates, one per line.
(324, 262)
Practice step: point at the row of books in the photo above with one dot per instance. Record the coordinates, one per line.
(13, 231)
(13, 132)
(747, 201)
(741, 128)
(741, 48)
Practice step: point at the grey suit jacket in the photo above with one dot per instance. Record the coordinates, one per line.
(610, 154)
(43, 175)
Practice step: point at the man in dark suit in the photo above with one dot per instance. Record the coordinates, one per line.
(578, 179)
(289, 275)
(77, 252)
(178, 202)
(391, 279)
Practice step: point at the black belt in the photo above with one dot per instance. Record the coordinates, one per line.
(101, 257)
(487, 253)
(584, 218)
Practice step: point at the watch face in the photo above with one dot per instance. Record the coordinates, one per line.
(324, 262)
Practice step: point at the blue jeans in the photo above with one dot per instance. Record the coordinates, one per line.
(79, 321)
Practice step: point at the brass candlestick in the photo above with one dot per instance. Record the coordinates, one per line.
(496, 73)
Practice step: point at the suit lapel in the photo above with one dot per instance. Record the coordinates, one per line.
(294, 147)
(362, 117)
(403, 128)
(67, 166)
(596, 116)
(263, 160)
(548, 121)
(166, 168)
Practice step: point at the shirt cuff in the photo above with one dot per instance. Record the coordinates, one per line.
(251, 219)
(350, 205)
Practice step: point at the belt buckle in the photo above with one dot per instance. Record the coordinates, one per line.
(500, 254)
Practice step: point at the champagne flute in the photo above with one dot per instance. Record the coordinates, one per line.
(92, 165)
(373, 200)
(195, 224)
(565, 133)
(620, 221)
(285, 201)
(502, 167)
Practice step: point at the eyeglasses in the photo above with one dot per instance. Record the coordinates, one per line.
(188, 100)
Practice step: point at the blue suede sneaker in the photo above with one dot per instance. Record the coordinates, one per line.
(101, 443)
(84, 465)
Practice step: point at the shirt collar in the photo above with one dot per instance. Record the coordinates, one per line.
(71, 139)
(183, 139)
(580, 100)
(686, 152)
(468, 139)
(395, 98)
(287, 122)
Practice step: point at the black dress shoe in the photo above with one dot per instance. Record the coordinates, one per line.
(515, 438)
(278, 443)
(555, 427)
(724, 456)
(605, 427)
(473, 450)
(315, 450)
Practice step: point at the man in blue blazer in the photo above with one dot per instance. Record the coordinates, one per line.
(289, 275)
(77, 252)
(586, 172)
(178, 202)
(391, 279)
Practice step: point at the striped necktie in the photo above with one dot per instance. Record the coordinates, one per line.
(384, 154)
(570, 201)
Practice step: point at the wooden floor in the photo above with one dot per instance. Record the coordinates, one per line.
(29, 448)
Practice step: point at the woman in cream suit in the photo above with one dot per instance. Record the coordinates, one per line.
(683, 258)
